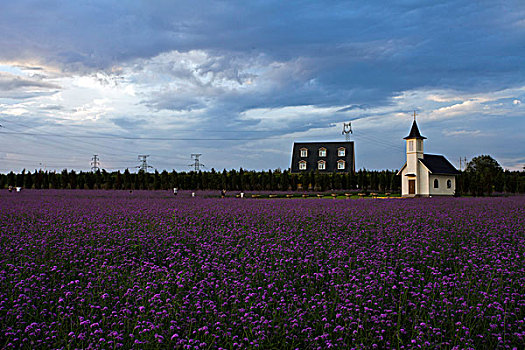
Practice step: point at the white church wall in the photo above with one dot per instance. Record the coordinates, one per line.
(404, 182)
(442, 189)
(423, 181)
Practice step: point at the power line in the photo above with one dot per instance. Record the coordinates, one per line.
(59, 144)
(134, 138)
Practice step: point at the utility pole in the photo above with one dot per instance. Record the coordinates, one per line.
(144, 162)
(95, 163)
(196, 162)
(463, 163)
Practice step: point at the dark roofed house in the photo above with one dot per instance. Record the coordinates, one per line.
(324, 157)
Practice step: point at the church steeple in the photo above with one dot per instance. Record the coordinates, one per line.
(414, 131)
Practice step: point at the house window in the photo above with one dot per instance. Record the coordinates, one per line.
(341, 165)
(302, 165)
(449, 183)
(436, 183)
(411, 146)
(304, 152)
(321, 165)
(341, 152)
(322, 152)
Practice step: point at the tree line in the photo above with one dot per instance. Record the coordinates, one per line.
(483, 175)
(232, 180)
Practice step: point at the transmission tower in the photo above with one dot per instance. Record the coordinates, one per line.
(144, 163)
(196, 162)
(95, 163)
(347, 130)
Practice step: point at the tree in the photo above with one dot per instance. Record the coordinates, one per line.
(127, 179)
(64, 179)
(483, 171)
(28, 180)
(73, 179)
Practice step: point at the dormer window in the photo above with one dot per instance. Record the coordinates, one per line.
(302, 165)
(341, 152)
(341, 165)
(322, 152)
(304, 152)
(321, 165)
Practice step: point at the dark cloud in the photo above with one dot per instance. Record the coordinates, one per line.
(128, 124)
(9, 82)
(388, 48)
(353, 107)
(350, 57)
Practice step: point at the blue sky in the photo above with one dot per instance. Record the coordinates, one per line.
(241, 81)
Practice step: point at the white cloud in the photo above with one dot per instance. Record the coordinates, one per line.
(13, 110)
(180, 93)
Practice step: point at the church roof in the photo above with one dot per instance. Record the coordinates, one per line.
(437, 164)
(414, 133)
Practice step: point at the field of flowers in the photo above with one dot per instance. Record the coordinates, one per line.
(99, 269)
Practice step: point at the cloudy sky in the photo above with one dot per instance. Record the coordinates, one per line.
(240, 81)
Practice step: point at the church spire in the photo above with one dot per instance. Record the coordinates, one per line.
(414, 131)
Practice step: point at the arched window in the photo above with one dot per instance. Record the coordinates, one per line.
(436, 183)
(449, 183)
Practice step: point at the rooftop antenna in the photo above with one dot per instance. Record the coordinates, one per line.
(196, 162)
(144, 163)
(347, 130)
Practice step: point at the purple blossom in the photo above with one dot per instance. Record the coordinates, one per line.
(82, 269)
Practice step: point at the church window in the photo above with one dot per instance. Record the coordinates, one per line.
(304, 152)
(341, 164)
(302, 165)
(322, 152)
(341, 152)
(410, 146)
(436, 183)
(449, 183)
(321, 165)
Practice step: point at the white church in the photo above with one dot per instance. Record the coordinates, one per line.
(425, 175)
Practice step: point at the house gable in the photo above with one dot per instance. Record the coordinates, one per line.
(331, 156)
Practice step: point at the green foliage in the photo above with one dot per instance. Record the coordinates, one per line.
(484, 171)
(482, 176)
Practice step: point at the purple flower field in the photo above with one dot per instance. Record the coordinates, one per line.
(96, 269)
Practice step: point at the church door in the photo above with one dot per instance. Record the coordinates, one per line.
(411, 186)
